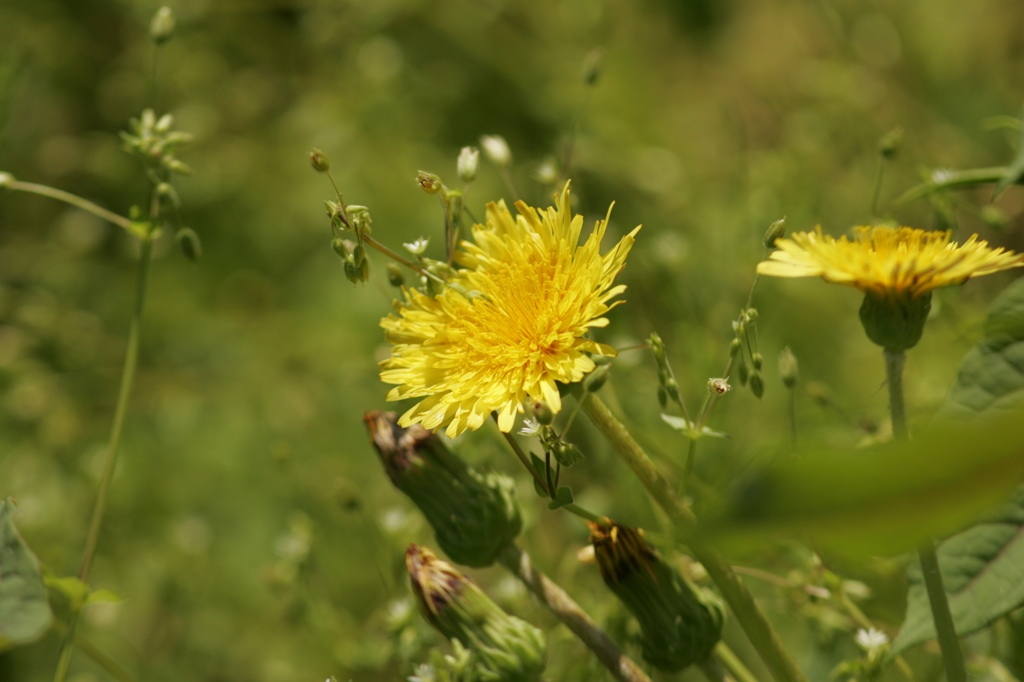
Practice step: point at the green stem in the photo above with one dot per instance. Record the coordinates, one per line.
(101, 659)
(127, 380)
(949, 644)
(517, 562)
(954, 180)
(733, 663)
(748, 613)
(691, 452)
(876, 190)
(73, 199)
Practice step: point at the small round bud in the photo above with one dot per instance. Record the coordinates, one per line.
(595, 380)
(758, 360)
(775, 231)
(757, 383)
(319, 160)
(789, 370)
(188, 242)
(591, 70)
(395, 276)
(496, 149)
(6, 180)
(352, 271)
(992, 215)
(673, 389)
(662, 397)
(750, 314)
(743, 372)
(340, 247)
(719, 386)
(657, 347)
(891, 142)
(542, 412)
(359, 254)
(735, 347)
(429, 182)
(567, 454)
(468, 163)
(176, 166)
(161, 26)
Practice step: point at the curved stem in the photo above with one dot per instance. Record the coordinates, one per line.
(949, 644)
(127, 380)
(733, 663)
(748, 613)
(73, 199)
(622, 667)
(953, 180)
(106, 662)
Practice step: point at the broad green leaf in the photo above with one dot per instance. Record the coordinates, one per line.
(884, 499)
(983, 573)
(24, 611)
(983, 566)
(562, 497)
(677, 423)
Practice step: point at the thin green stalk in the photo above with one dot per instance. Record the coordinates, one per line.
(792, 417)
(748, 613)
(954, 180)
(112, 667)
(110, 461)
(517, 562)
(876, 189)
(733, 663)
(69, 198)
(949, 644)
(691, 452)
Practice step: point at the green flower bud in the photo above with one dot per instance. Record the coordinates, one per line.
(429, 182)
(789, 370)
(595, 380)
(679, 624)
(994, 216)
(496, 149)
(353, 273)
(364, 269)
(6, 180)
(395, 276)
(567, 454)
(468, 163)
(474, 515)
(891, 142)
(758, 360)
(161, 26)
(776, 230)
(672, 388)
(662, 397)
(340, 247)
(735, 347)
(742, 372)
(359, 254)
(360, 218)
(895, 322)
(188, 242)
(757, 383)
(658, 348)
(542, 413)
(175, 166)
(506, 648)
(319, 160)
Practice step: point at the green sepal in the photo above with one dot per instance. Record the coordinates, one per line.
(895, 323)
(562, 498)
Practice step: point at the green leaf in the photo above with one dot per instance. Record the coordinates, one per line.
(24, 611)
(562, 498)
(74, 590)
(983, 566)
(991, 378)
(1016, 170)
(540, 467)
(983, 573)
(677, 423)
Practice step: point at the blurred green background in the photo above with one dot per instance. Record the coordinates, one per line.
(251, 531)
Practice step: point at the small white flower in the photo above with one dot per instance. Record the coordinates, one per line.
(871, 639)
(417, 247)
(530, 428)
(941, 175)
(469, 159)
(496, 149)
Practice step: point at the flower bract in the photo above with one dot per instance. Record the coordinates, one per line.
(890, 262)
(512, 323)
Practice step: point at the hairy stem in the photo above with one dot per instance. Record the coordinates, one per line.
(748, 613)
(622, 667)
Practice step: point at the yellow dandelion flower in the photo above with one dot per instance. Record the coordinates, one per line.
(535, 293)
(889, 262)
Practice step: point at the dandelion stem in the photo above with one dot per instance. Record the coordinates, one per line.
(73, 199)
(517, 562)
(949, 644)
(748, 613)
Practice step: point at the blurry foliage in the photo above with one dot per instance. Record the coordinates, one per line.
(251, 531)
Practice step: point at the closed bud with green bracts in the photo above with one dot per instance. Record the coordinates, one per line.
(474, 515)
(757, 383)
(775, 231)
(364, 269)
(319, 160)
(161, 26)
(658, 348)
(567, 454)
(595, 380)
(743, 372)
(353, 273)
(188, 242)
(891, 142)
(359, 254)
(429, 182)
(750, 314)
(541, 412)
(895, 322)
(662, 397)
(757, 360)
(789, 369)
(679, 623)
(6, 180)
(504, 648)
(175, 166)
(592, 66)
(496, 149)
(672, 388)
(735, 347)
(395, 276)
(340, 247)
(468, 163)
